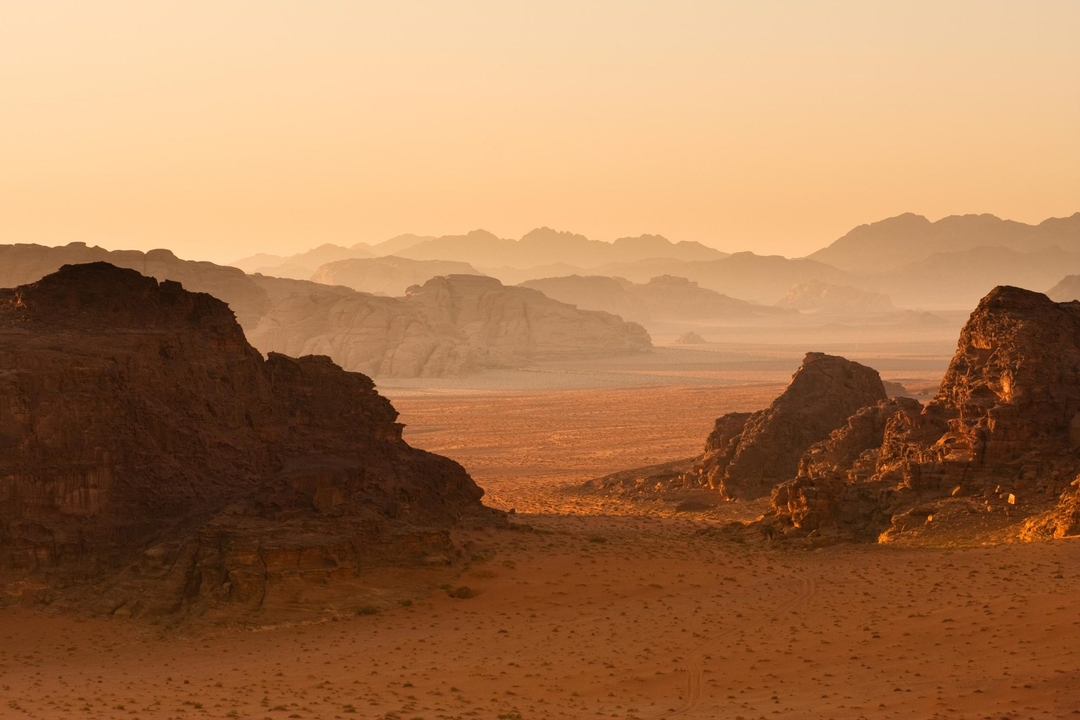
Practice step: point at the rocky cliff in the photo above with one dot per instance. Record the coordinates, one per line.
(509, 326)
(999, 441)
(154, 462)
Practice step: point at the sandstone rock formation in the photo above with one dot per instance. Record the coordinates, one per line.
(154, 462)
(508, 326)
(361, 332)
(748, 454)
(387, 275)
(1001, 436)
(380, 337)
(748, 461)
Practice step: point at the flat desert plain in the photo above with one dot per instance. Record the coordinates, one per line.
(586, 610)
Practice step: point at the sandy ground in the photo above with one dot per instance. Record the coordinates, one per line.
(625, 617)
(594, 611)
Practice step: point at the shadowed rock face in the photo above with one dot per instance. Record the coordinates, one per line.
(1003, 432)
(748, 454)
(823, 393)
(150, 452)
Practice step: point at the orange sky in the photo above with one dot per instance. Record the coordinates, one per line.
(222, 128)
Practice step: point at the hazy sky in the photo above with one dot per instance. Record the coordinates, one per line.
(223, 128)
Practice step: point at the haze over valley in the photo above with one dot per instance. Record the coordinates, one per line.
(540, 361)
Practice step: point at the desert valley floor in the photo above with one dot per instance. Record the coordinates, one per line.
(593, 609)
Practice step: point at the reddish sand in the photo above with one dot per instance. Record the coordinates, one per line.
(523, 446)
(600, 614)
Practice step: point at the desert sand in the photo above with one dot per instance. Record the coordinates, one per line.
(584, 610)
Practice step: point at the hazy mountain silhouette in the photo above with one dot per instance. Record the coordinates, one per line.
(451, 325)
(659, 302)
(1068, 288)
(959, 279)
(544, 246)
(398, 243)
(757, 278)
(304, 265)
(815, 296)
(892, 243)
(388, 275)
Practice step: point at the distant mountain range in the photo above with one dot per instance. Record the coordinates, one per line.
(484, 249)
(888, 245)
(658, 303)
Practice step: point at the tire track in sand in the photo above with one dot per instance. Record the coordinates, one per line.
(694, 664)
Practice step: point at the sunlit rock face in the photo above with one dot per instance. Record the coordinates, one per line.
(1003, 430)
(150, 451)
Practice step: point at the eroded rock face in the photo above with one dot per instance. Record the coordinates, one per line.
(823, 393)
(507, 326)
(380, 337)
(748, 454)
(151, 454)
(1002, 435)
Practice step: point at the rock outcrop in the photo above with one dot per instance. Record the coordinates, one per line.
(748, 454)
(510, 326)
(748, 461)
(380, 337)
(1001, 436)
(154, 462)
